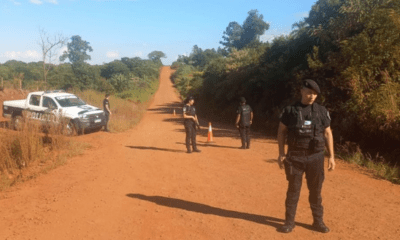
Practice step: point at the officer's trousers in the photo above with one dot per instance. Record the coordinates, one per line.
(313, 166)
(107, 118)
(245, 136)
(190, 129)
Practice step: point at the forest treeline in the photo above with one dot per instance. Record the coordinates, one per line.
(350, 47)
(125, 78)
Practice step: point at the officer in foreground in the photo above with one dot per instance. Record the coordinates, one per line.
(190, 122)
(306, 127)
(244, 119)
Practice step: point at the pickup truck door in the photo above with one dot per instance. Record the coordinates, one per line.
(35, 109)
(51, 112)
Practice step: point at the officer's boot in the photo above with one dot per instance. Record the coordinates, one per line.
(288, 226)
(189, 149)
(195, 149)
(248, 143)
(243, 144)
(320, 226)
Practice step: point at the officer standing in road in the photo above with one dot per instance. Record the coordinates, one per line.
(244, 119)
(306, 127)
(107, 111)
(190, 122)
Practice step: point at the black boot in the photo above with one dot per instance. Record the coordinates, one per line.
(195, 149)
(320, 227)
(286, 228)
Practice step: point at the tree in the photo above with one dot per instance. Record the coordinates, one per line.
(50, 47)
(77, 55)
(232, 35)
(114, 67)
(77, 49)
(253, 27)
(236, 36)
(156, 56)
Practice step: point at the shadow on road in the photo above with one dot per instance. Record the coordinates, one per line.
(168, 108)
(210, 145)
(206, 209)
(155, 148)
(219, 129)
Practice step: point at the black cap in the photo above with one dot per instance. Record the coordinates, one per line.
(242, 99)
(311, 84)
(189, 98)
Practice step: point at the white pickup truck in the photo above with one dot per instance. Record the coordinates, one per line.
(55, 107)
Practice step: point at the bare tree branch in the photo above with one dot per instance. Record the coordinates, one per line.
(50, 46)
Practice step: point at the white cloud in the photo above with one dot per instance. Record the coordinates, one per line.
(62, 50)
(272, 35)
(15, 2)
(138, 54)
(31, 55)
(40, 2)
(301, 14)
(37, 2)
(112, 54)
(115, 0)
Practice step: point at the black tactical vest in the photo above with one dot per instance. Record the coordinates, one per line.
(245, 116)
(190, 111)
(306, 134)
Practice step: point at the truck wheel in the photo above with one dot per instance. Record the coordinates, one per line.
(69, 129)
(17, 122)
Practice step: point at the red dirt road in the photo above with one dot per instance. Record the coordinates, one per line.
(142, 185)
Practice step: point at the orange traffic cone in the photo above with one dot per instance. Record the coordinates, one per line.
(210, 134)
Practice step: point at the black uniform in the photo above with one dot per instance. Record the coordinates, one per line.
(190, 127)
(107, 113)
(244, 124)
(306, 125)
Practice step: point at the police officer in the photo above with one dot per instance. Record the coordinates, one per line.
(244, 119)
(306, 127)
(107, 111)
(190, 122)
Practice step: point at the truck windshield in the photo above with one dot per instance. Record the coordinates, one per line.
(69, 101)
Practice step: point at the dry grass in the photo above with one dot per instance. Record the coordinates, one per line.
(31, 151)
(125, 113)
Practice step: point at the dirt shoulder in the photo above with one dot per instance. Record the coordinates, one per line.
(141, 184)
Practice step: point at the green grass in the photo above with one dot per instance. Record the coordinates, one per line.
(378, 166)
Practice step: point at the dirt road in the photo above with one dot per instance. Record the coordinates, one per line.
(141, 184)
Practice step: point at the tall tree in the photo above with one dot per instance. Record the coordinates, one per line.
(77, 55)
(237, 36)
(50, 47)
(156, 56)
(77, 49)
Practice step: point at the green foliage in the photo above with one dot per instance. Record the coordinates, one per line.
(237, 36)
(113, 68)
(367, 70)
(77, 49)
(156, 56)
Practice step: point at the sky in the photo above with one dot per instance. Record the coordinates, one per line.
(134, 28)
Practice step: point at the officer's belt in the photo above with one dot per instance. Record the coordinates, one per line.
(301, 153)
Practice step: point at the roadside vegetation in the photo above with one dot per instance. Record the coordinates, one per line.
(130, 81)
(351, 48)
